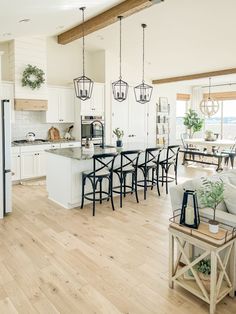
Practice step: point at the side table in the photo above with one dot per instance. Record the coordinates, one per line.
(222, 276)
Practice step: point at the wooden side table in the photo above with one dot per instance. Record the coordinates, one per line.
(222, 276)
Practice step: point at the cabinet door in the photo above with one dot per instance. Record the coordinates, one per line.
(120, 118)
(7, 92)
(41, 163)
(15, 161)
(67, 105)
(28, 165)
(52, 114)
(137, 120)
(86, 107)
(97, 103)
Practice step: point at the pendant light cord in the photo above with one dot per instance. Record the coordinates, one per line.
(82, 9)
(209, 92)
(143, 26)
(120, 17)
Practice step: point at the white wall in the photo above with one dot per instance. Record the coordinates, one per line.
(5, 70)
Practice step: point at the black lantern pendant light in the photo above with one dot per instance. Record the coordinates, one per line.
(143, 92)
(120, 88)
(83, 84)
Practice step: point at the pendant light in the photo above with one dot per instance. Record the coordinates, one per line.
(120, 88)
(209, 107)
(83, 85)
(143, 92)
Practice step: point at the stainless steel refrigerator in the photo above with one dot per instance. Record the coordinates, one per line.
(5, 159)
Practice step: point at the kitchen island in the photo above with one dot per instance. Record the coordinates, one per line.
(65, 167)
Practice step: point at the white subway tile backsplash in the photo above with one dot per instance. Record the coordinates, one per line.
(29, 121)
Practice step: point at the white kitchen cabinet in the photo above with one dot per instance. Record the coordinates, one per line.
(61, 105)
(16, 167)
(7, 92)
(40, 164)
(95, 105)
(28, 165)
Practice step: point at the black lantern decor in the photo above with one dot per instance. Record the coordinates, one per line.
(83, 85)
(143, 92)
(190, 213)
(120, 88)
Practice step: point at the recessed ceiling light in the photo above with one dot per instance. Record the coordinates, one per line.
(60, 26)
(24, 21)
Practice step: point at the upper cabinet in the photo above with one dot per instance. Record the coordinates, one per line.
(7, 92)
(61, 105)
(95, 105)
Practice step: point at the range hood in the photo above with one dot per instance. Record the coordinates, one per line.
(31, 105)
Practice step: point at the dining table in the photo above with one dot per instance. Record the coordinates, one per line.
(222, 143)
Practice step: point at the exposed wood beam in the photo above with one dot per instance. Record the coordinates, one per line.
(126, 8)
(194, 76)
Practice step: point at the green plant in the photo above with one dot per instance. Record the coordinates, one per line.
(118, 133)
(32, 77)
(204, 267)
(193, 122)
(211, 194)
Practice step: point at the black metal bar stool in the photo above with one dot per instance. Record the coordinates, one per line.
(103, 165)
(172, 153)
(128, 166)
(151, 164)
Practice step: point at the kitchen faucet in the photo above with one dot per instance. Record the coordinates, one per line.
(91, 131)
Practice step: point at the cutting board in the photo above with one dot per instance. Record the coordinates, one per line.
(54, 134)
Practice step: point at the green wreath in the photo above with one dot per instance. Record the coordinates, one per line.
(32, 77)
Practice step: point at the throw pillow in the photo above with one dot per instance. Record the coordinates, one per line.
(230, 197)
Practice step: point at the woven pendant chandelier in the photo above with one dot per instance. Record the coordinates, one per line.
(120, 88)
(143, 92)
(83, 85)
(209, 107)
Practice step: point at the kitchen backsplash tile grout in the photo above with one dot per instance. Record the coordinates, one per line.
(29, 121)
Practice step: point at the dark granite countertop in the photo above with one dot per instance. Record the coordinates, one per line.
(85, 154)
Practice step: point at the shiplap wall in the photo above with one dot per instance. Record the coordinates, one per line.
(24, 51)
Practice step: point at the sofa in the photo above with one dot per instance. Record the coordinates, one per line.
(226, 211)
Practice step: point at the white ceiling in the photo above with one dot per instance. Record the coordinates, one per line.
(47, 17)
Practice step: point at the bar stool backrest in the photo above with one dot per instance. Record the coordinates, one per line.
(172, 153)
(103, 162)
(152, 155)
(129, 158)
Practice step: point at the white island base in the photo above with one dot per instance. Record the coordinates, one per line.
(64, 179)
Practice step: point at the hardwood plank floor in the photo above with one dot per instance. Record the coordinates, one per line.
(54, 260)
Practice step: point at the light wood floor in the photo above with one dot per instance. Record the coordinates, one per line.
(66, 261)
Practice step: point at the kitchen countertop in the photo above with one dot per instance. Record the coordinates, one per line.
(43, 143)
(86, 154)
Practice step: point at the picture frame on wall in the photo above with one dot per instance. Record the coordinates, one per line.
(163, 103)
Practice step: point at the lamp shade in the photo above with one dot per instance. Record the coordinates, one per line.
(120, 90)
(190, 212)
(143, 93)
(83, 87)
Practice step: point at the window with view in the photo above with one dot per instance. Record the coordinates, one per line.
(182, 106)
(224, 122)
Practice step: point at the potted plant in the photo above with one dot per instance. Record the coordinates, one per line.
(193, 122)
(119, 135)
(211, 195)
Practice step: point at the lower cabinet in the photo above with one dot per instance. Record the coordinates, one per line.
(16, 173)
(33, 164)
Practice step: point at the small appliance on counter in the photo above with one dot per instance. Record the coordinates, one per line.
(30, 137)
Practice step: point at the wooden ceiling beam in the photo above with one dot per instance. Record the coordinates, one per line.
(194, 76)
(125, 8)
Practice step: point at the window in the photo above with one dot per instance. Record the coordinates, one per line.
(224, 122)
(182, 105)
